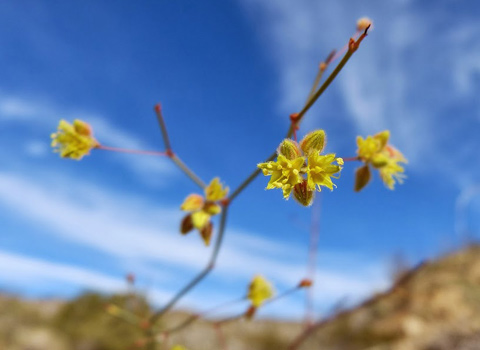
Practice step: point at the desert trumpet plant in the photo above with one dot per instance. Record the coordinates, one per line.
(297, 168)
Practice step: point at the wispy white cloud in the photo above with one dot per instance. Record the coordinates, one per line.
(37, 148)
(23, 269)
(133, 229)
(18, 109)
(27, 272)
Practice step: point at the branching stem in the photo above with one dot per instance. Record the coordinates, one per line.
(187, 170)
(201, 275)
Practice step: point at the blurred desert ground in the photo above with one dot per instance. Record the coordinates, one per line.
(434, 306)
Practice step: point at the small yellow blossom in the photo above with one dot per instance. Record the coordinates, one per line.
(375, 151)
(202, 209)
(392, 170)
(300, 167)
(372, 146)
(215, 190)
(320, 170)
(284, 173)
(259, 291)
(73, 140)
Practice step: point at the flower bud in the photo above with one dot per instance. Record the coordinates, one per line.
(130, 279)
(289, 149)
(313, 142)
(186, 225)
(206, 233)
(383, 137)
(362, 177)
(82, 127)
(192, 202)
(363, 23)
(379, 160)
(305, 283)
(303, 194)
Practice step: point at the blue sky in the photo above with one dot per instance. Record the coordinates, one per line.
(228, 74)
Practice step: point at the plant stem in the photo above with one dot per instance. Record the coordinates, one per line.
(169, 152)
(201, 275)
(187, 170)
(320, 91)
(163, 127)
(318, 77)
(282, 295)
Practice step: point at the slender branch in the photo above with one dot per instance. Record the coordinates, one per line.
(320, 91)
(133, 151)
(201, 275)
(321, 69)
(169, 152)
(163, 127)
(282, 295)
(318, 77)
(187, 170)
(352, 47)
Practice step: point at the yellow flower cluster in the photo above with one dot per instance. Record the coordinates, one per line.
(202, 209)
(297, 161)
(375, 150)
(73, 140)
(259, 291)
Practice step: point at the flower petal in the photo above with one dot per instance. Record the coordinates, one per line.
(200, 219)
(193, 202)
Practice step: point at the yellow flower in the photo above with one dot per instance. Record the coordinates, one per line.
(285, 173)
(392, 170)
(202, 209)
(215, 191)
(372, 146)
(259, 291)
(375, 151)
(73, 141)
(300, 167)
(320, 170)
